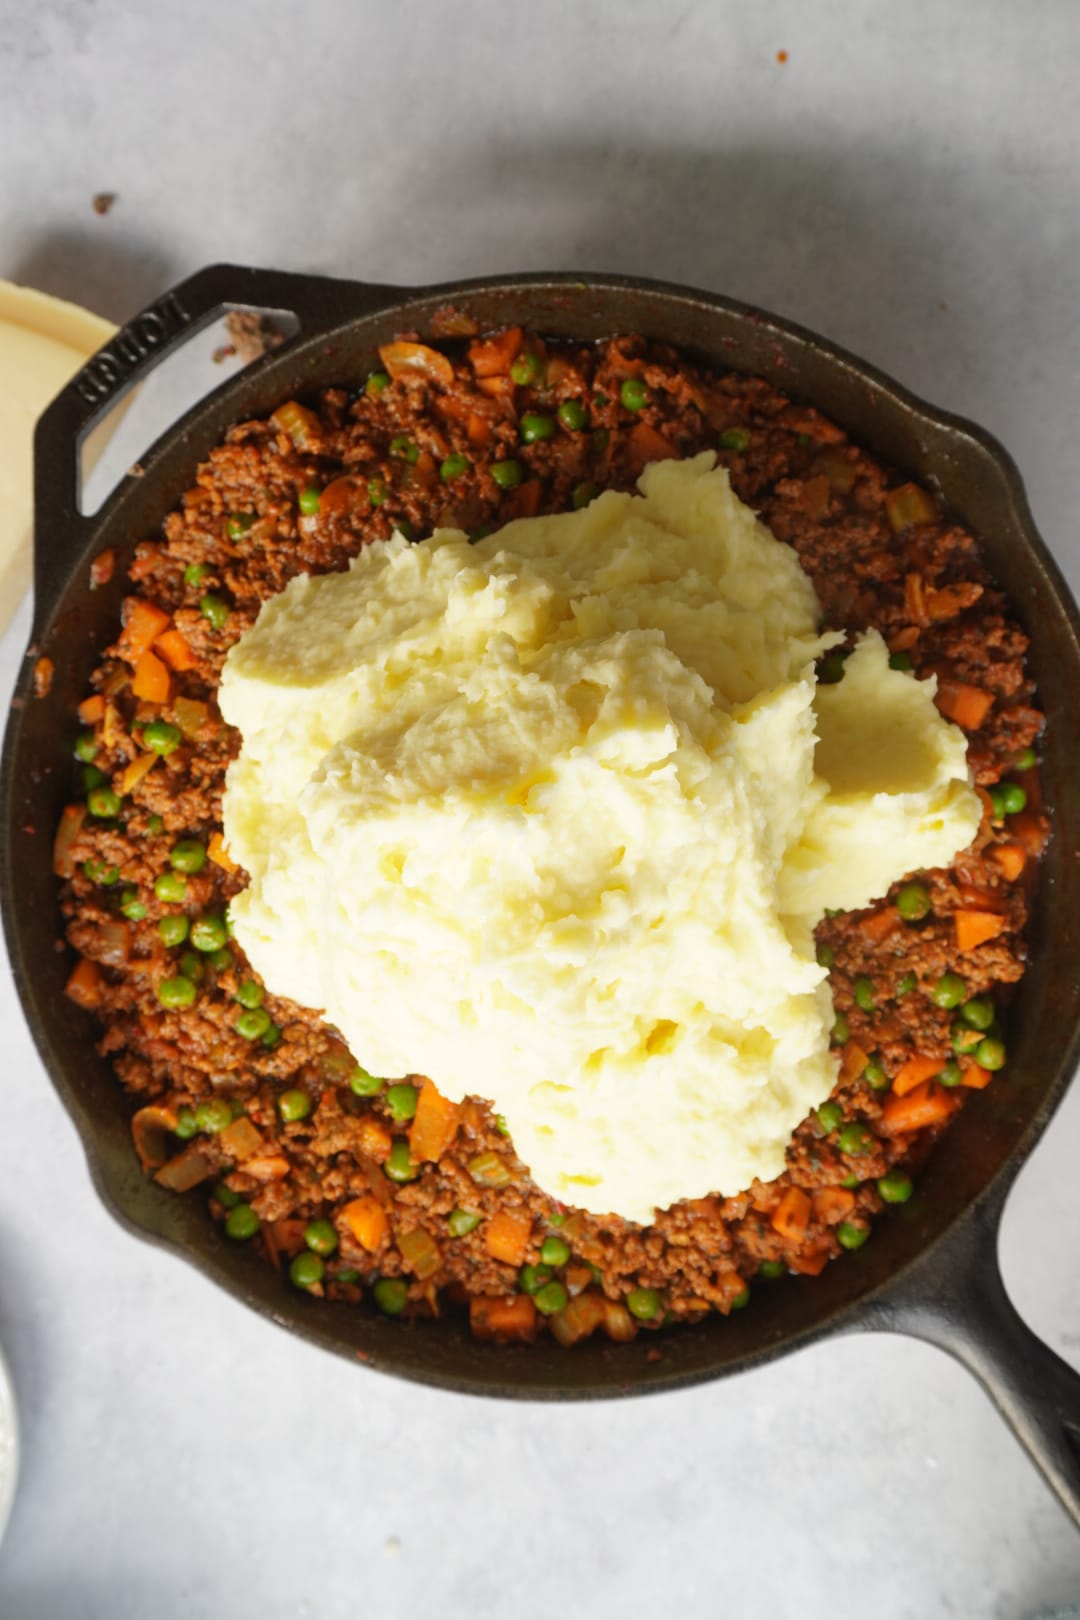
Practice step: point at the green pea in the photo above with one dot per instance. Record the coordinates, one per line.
(532, 1278)
(320, 1237)
(249, 994)
(160, 737)
(453, 466)
(501, 1126)
(86, 746)
(251, 1025)
(950, 1074)
(195, 573)
(376, 383)
(771, 1269)
(855, 1140)
(599, 401)
(208, 932)
(965, 1039)
(913, 902)
(901, 661)
(214, 1116)
(399, 1166)
(978, 1012)
(103, 802)
(226, 1197)
(741, 1300)
(239, 523)
(461, 1221)
(177, 992)
(131, 906)
(170, 887)
(735, 438)
(895, 1188)
(401, 1101)
(990, 1053)
(906, 985)
(92, 777)
(633, 395)
(534, 427)
(826, 956)
(403, 449)
(215, 610)
(155, 826)
(347, 1274)
(306, 1270)
(582, 496)
(1026, 761)
(376, 490)
(949, 991)
(840, 1030)
(864, 993)
(1013, 797)
(294, 1105)
(173, 930)
(851, 1236)
(829, 1116)
(221, 960)
(644, 1303)
(186, 1124)
(363, 1084)
(391, 1295)
(507, 474)
(98, 872)
(573, 415)
(526, 369)
(554, 1251)
(308, 499)
(404, 528)
(551, 1298)
(831, 668)
(241, 1223)
(850, 1181)
(271, 1036)
(481, 532)
(187, 856)
(875, 1076)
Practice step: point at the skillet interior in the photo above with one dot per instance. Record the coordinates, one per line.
(977, 481)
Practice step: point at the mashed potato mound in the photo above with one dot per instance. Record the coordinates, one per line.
(550, 818)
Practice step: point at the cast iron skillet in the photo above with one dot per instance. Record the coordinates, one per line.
(932, 1269)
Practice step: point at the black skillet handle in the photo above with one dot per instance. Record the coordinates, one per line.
(320, 303)
(954, 1297)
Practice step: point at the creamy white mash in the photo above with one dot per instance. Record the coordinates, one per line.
(551, 818)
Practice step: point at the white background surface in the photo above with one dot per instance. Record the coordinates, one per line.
(909, 184)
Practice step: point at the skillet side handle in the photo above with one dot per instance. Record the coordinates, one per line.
(320, 303)
(956, 1300)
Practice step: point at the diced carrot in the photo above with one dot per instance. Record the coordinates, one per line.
(926, 1105)
(973, 1074)
(143, 622)
(524, 501)
(416, 360)
(814, 496)
(219, 854)
(967, 705)
(879, 924)
(810, 1262)
(136, 769)
(506, 1237)
(298, 423)
(950, 600)
(375, 1139)
(92, 709)
(908, 505)
(175, 650)
(340, 497)
(914, 1072)
(976, 927)
(284, 1237)
(366, 1220)
(833, 1204)
(70, 826)
(976, 899)
(150, 1130)
(853, 1061)
(1031, 831)
(649, 445)
(86, 984)
(240, 1140)
(44, 670)
(478, 430)
(915, 598)
(496, 387)
(493, 356)
(792, 1215)
(904, 639)
(1011, 858)
(151, 679)
(435, 1124)
(492, 1317)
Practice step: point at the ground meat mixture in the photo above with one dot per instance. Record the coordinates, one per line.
(354, 1186)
